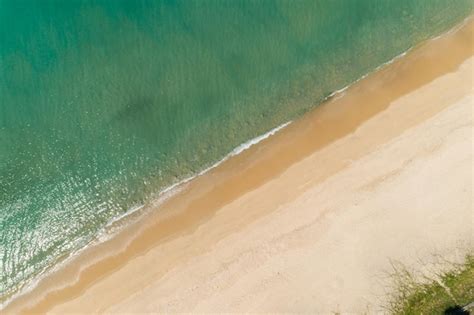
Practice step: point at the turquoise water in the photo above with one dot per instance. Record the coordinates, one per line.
(105, 103)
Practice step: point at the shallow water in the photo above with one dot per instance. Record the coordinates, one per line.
(105, 103)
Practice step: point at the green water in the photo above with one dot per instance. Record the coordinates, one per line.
(105, 103)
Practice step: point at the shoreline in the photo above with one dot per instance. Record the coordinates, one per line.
(199, 200)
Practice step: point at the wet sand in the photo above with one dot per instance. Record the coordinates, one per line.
(311, 218)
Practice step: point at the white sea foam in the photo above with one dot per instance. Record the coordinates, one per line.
(175, 188)
(248, 144)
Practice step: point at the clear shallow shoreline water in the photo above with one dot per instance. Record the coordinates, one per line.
(93, 123)
(116, 224)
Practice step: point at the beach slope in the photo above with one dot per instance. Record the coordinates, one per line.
(331, 247)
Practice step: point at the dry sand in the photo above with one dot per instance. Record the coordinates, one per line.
(311, 219)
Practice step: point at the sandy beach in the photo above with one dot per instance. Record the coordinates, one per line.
(311, 219)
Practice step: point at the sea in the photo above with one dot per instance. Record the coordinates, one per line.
(106, 104)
